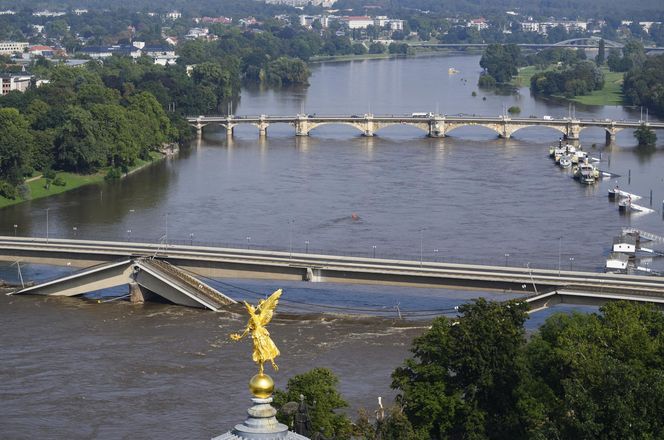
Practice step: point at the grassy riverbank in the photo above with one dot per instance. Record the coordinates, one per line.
(38, 188)
(610, 94)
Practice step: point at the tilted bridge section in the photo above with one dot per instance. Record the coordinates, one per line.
(172, 272)
(431, 124)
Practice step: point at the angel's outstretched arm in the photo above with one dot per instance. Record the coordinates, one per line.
(237, 336)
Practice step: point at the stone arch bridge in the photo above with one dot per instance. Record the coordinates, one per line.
(432, 125)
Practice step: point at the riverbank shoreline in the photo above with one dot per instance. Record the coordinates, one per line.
(38, 188)
(385, 56)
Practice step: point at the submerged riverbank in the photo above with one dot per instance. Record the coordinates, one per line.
(39, 187)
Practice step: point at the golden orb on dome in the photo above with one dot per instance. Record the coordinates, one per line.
(261, 386)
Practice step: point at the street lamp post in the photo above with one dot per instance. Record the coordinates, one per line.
(306, 246)
(191, 239)
(507, 259)
(435, 255)
(74, 230)
(290, 237)
(571, 263)
(128, 234)
(421, 246)
(560, 250)
(47, 224)
(248, 240)
(374, 250)
(15, 228)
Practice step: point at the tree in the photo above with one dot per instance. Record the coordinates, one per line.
(501, 61)
(466, 377)
(646, 136)
(16, 143)
(319, 388)
(601, 53)
(599, 375)
(376, 48)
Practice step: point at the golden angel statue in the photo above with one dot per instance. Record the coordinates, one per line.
(259, 317)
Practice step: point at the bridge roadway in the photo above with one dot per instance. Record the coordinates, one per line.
(542, 287)
(432, 124)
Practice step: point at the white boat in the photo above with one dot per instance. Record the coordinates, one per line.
(565, 161)
(586, 173)
(579, 156)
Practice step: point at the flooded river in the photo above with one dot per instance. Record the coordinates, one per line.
(80, 369)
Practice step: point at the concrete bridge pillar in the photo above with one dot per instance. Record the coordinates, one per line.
(262, 129)
(573, 131)
(139, 294)
(301, 126)
(368, 126)
(506, 132)
(437, 127)
(611, 133)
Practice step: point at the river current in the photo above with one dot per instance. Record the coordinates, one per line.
(80, 369)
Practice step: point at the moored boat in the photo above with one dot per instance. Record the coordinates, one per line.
(586, 173)
(565, 161)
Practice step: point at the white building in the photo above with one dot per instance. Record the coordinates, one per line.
(47, 13)
(196, 33)
(10, 47)
(12, 82)
(174, 15)
(530, 26)
(396, 25)
(361, 22)
(478, 23)
(80, 11)
(7, 12)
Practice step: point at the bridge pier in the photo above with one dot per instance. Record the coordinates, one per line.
(262, 130)
(368, 126)
(437, 128)
(573, 131)
(138, 294)
(301, 126)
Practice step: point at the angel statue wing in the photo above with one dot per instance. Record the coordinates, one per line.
(267, 307)
(249, 308)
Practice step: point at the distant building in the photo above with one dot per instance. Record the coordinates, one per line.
(43, 51)
(80, 11)
(302, 3)
(15, 82)
(530, 26)
(197, 33)
(216, 20)
(174, 15)
(478, 23)
(11, 47)
(361, 22)
(163, 55)
(7, 12)
(47, 13)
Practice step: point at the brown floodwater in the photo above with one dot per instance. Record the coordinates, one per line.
(77, 369)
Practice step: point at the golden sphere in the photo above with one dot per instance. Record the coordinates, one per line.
(261, 386)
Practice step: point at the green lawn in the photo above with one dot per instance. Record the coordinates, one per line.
(38, 186)
(524, 75)
(611, 93)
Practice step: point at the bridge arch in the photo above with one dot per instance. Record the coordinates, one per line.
(514, 128)
(451, 126)
(423, 126)
(589, 41)
(357, 125)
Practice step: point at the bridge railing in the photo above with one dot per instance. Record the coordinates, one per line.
(542, 261)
